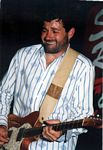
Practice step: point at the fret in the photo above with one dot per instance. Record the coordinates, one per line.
(68, 125)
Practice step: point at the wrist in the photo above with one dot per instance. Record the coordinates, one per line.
(3, 126)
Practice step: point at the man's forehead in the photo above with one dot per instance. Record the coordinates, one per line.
(54, 21)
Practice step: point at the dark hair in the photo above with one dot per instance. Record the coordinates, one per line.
(67, 19)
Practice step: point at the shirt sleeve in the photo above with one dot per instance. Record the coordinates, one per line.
(7, 87)
(82, 101)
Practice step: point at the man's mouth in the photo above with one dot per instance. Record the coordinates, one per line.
(50, 42)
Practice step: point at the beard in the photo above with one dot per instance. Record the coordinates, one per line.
(57, 47)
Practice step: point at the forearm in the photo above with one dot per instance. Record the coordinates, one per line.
(5, 104)
(7, 86)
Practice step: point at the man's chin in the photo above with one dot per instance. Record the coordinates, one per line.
(47, 49)
(52, 51)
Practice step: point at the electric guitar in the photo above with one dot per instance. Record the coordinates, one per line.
(22, 131)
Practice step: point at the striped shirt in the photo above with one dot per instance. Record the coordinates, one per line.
(27, 81)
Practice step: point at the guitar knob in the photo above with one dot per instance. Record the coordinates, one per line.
(98, 115)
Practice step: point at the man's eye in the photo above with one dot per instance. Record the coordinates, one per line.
(55, 31)
(43, 30)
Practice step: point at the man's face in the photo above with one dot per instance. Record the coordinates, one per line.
(54, 36)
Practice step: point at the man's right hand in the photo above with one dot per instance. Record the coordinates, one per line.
(3, 135)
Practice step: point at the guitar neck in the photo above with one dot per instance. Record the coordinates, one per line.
(68, 125)
(57, 127)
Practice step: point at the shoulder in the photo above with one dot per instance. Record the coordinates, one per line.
(84, 60)
(84, 66)
(27, 51)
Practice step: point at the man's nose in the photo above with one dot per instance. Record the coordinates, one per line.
(49, 35)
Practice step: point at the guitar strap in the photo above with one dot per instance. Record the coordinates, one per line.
(57, 84)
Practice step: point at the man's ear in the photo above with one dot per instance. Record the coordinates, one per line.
(71, 33)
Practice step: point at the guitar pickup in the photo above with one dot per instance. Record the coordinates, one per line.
(20, 134)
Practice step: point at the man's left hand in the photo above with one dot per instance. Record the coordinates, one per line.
(49, 133)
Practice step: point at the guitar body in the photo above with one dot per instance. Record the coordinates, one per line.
(15, 121)
(15, 124)
(13, 144)
(22, 131)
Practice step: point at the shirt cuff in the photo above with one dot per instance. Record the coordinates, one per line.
(3, 120)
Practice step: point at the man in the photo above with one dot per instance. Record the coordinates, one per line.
(30, 75)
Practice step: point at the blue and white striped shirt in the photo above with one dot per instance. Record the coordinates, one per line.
(27, 82)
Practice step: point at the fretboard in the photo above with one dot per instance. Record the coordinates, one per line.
(57, 127)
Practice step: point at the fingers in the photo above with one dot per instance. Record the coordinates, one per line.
(49, 133)
(3, 135)
(52, 121)
(3, 140)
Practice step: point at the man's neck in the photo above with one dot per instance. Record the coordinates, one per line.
(51, 57)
